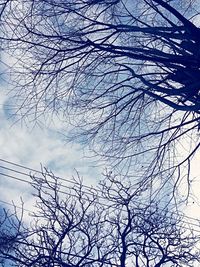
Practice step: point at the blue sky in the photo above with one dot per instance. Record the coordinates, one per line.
(31, 145)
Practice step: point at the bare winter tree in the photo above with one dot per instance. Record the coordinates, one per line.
(125, 73)
(10, 228)
(108, 226)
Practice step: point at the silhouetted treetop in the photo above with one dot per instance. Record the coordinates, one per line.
(75, 227)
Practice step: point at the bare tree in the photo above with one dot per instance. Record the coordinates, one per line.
(125, 73)
(108, 226)
(10, 228)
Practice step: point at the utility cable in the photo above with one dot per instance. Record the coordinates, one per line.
(64, 179)
(63, 192)
(70, 194)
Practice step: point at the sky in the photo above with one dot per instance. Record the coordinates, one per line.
(32, 146)
(35, 145)
(45, 144)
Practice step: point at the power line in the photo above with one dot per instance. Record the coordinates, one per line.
(68, 193)
(46, 187)
(29, 175)
(27, 210)
(60, 191)
(37, 171)
(40, 172)
(13, 205)
(61, 185)
(62, 179)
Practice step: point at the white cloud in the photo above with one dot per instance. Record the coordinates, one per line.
(32, 146)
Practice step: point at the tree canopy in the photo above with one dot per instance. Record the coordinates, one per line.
(105, 226)
(124, 73)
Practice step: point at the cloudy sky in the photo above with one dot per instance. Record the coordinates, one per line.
(31, 145)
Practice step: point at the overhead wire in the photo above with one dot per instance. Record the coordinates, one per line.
(37, 171)
(68, 187)
(46, 187)
(60, 185)
(60, 178)
(71, 254)
(32, 212)
(14, 205)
